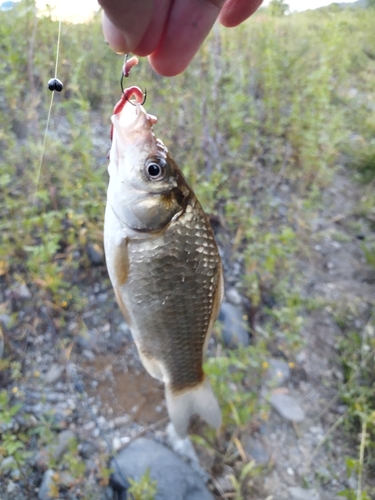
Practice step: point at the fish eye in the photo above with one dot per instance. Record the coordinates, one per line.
(155, 168)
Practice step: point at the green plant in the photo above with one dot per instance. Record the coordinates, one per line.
(235, 377)
(11, 444)
(239, 484)
(369, 252)
(144, 489)
(357, 353)
(278, 7)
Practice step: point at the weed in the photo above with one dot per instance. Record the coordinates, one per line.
(235, 376)
(144, 489)
(357, 392)
(12, 445)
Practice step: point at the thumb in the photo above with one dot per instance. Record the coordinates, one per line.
(125, 22)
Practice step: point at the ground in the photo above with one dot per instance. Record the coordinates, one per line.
(301, 458)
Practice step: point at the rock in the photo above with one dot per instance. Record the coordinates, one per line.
(47, 487)
(41, 459)
(323, 475)
(287, 407)
(95, 254)
(124, 328)
(22, 292)
(119, 421)
(86, 353)
(14, 491)
(352, 482)
(8, 464)
(108, 494)
(87, 449)
(55, 451)
(298, 493)
(175, 479)
(185, 448)
(234, 296)
(234, 328)
(255, 450)
(12, 487)
(66, 479)
(225, 483)
(15, 474)
(64, 439)
(6, 320)
(119, 442)
(54, 374)
(278, 372)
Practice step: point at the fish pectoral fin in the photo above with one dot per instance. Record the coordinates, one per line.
(121, 263)
(199, 400)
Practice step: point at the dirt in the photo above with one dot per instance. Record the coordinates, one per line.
(133, 393)
(312, 453)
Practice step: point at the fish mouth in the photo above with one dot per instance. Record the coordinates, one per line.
(131, 117)
(129, 110)
(132, 131)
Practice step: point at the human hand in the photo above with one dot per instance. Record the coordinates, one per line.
(169, 32)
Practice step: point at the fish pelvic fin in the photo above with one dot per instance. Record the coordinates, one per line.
(199, 400)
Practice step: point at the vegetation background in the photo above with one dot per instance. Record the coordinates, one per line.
(282, 98)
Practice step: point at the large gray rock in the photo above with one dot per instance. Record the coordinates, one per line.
(233, 326)
(175, 479)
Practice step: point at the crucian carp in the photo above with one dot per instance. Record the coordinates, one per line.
(163, 262)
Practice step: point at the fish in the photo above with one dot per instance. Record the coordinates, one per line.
(163, 262)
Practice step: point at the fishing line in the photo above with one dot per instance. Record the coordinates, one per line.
(58, 48)
(54, 84)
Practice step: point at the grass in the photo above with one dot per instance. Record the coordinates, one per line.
(280, 100)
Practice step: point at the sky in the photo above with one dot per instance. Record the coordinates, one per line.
(309, 4)
(79, 10)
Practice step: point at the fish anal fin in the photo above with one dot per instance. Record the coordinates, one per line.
(198, 400)
(152, 365)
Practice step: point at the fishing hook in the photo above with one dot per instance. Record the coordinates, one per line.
(127, 66)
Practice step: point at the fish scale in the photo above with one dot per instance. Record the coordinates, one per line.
(169, 299)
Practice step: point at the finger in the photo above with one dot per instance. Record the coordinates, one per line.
(154, 31)
(125, 22)
(234, 12)
(114, 37)
(188, 24)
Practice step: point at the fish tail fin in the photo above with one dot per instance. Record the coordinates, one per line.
(199, 400)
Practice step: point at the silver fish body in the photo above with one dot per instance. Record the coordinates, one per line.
(164, 265)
